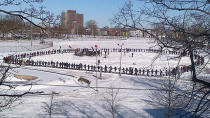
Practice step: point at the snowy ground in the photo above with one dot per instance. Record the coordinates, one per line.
(16, 46)
(140, 59)
(77, 100)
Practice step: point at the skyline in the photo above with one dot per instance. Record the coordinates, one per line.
(102, 11)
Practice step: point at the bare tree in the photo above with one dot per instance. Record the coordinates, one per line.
(178, 25)
(92, 26)
(49, 107)
(112, 102)
(23, 14)
(10, 24)
(9, 94)
(26, 14)
(171, 96)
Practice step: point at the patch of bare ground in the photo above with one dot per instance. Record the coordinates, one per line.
(26, 77)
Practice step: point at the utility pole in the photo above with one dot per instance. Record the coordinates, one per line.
(120, 57)
(31, 30)
(96, 46)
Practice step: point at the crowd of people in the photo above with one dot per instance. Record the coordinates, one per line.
(25, 59)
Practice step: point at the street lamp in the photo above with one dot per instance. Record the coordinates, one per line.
(96, 46)
(120, 57)
(31, 31)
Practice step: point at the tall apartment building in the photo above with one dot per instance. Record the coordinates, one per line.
(72, 21)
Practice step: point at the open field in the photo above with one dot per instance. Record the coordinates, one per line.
(135, 94)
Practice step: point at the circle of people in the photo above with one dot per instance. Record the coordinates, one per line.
(25, 59)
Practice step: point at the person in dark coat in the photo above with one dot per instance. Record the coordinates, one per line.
(136, 71)
(5, 59)
(105, 69)
(147, 72)
(156, 72)
(126, 70)
(143, 71)
(115, 68)
(139, 71)
(85, 66)
(123, 70)
(110, 69)
(174, 71)
(88, 67)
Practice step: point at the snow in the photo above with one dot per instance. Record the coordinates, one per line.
(18, 45)
(78, 100)
(140, 60)
(104, 43)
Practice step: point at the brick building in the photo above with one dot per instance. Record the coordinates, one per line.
(72, 21)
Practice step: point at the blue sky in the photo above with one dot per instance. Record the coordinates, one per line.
(101, 11)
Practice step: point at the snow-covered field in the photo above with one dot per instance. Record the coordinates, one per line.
(77, 100)
(19, 46)
(140, 59)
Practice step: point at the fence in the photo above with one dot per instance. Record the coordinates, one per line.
(21, 46)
